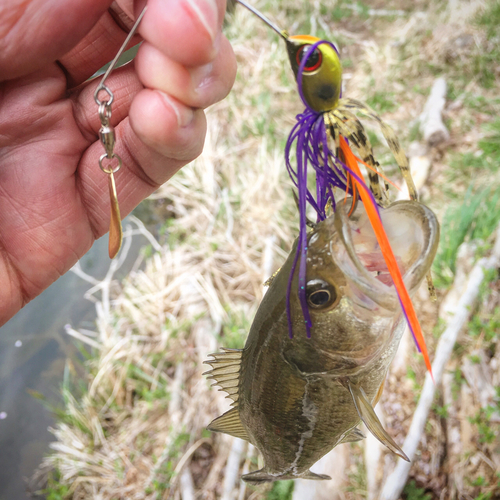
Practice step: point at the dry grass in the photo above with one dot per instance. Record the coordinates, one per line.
(137, 429)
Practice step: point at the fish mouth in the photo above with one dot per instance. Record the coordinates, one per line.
(413, 233)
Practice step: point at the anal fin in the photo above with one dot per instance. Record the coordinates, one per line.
(229, 423)
(312, 475)
(258, 477)
(261, 476)
(369, 417)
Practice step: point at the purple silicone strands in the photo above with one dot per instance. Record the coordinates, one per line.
(309, 135)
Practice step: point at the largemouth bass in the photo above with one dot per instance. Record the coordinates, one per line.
(297, 398)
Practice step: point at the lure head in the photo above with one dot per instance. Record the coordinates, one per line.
(322, 75)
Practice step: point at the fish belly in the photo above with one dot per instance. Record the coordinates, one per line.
(305, 420)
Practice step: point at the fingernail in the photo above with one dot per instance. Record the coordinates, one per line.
(200, 75)
(184, 114)
(207, 12)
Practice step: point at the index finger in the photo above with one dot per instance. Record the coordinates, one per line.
(187, 31)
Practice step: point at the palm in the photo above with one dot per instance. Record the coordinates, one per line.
(47, 221)
(54, 199)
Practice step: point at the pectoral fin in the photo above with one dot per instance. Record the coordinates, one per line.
(370, 419)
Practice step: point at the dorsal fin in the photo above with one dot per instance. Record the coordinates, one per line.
(229, 423)
(226, 372)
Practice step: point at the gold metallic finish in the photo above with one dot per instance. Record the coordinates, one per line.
(115, 223)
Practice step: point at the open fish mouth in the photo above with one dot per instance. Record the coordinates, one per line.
(413, 232)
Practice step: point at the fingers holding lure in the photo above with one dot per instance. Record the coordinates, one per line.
(185, 66)
(196, 87)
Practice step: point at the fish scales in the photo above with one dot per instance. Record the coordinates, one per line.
(297, 398)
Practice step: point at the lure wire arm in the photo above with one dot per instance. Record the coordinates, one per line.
(101, 85)
(282, 33)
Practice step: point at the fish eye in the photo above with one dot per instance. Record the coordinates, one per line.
(320, 294)
(313, 61)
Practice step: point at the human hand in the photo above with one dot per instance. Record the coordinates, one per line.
(54, 199)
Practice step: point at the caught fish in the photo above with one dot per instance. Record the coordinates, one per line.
(297, 398)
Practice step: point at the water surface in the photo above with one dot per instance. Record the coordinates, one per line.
(33, 352)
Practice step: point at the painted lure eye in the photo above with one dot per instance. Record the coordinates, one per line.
(313, 61)
(320, 294)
